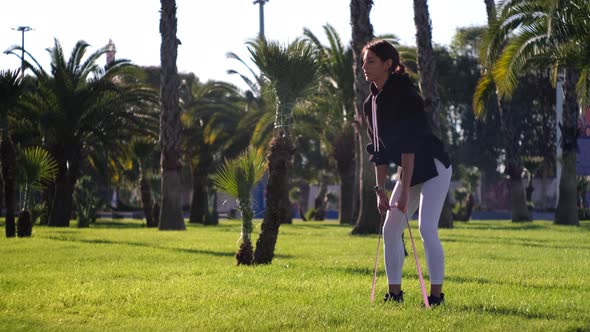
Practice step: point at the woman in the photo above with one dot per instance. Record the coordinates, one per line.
(399, 132)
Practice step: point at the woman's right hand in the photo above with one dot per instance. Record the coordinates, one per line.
(382, 202)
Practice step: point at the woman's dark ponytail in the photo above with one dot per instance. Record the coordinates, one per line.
(385, 51)
(400, 69)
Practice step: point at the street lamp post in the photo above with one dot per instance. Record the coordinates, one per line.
(23, 29)
(261, 3)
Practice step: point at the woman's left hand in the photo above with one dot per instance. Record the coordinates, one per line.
(402, 201)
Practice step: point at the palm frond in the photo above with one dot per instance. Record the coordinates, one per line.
(17, 51)
(37, 166)
(292, 70)
(583, 87)
(311, 37)
(238, 176)
(58, 62)
(393, 39)
(334, 40)
(76, 57)
(531, 43)
(482, 92)
(536, 34)
(10, 90)
(263, 130)
(232, 55)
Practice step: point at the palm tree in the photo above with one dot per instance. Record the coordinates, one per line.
(142, 149)
(256, 124)
(37, 168)
(533, 35)
(514, 167)
(210, 118)
(291, 71)
(428, 84)
(84, 111)
(336, 63)
(368, 219)
(238, 177)
(170, 126)
(10, 93)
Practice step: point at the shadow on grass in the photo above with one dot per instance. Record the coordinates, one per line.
(354, 270)
(483, 281)
(502, 226)
(507, 225)
(320, 225)
(144, 245)
(368, 271)
(510, 241)
(365, 271)
(506, 311)
(109, 223)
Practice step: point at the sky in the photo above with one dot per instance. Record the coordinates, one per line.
(210, 29)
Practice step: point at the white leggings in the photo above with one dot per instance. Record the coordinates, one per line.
(430, 196)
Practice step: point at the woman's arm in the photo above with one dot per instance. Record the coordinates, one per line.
(406, 179)
(382, 200)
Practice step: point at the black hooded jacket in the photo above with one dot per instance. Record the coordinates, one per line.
(403, 128)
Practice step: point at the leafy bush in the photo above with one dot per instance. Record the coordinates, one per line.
(310, 214)
(87, 201)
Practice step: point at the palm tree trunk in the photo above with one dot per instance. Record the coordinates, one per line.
(199, 202)
(368, 219)
(520, 212)
(318, 203)
(279, 156)
(567, 210)
(427, 64)
(428, 85)
(213, 216)
(47, 197)
(245, 254)
(171, 208)
(170, 126)
(514, 168)
(61, 211)
(200, 172)
(345, 162)
(346, 199)
(8, 157)
(2, 202)
(156, 213)
(24, 227)
(146, 199)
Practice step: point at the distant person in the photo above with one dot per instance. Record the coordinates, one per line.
(400, 134)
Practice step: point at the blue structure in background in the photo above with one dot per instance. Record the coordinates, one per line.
(259, 204)
(259, 201)
(583, 156)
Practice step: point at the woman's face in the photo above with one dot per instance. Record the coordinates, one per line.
(374, 68)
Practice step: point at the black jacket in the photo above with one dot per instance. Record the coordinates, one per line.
(403, 128)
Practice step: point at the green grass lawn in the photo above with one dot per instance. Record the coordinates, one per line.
(120, 276)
